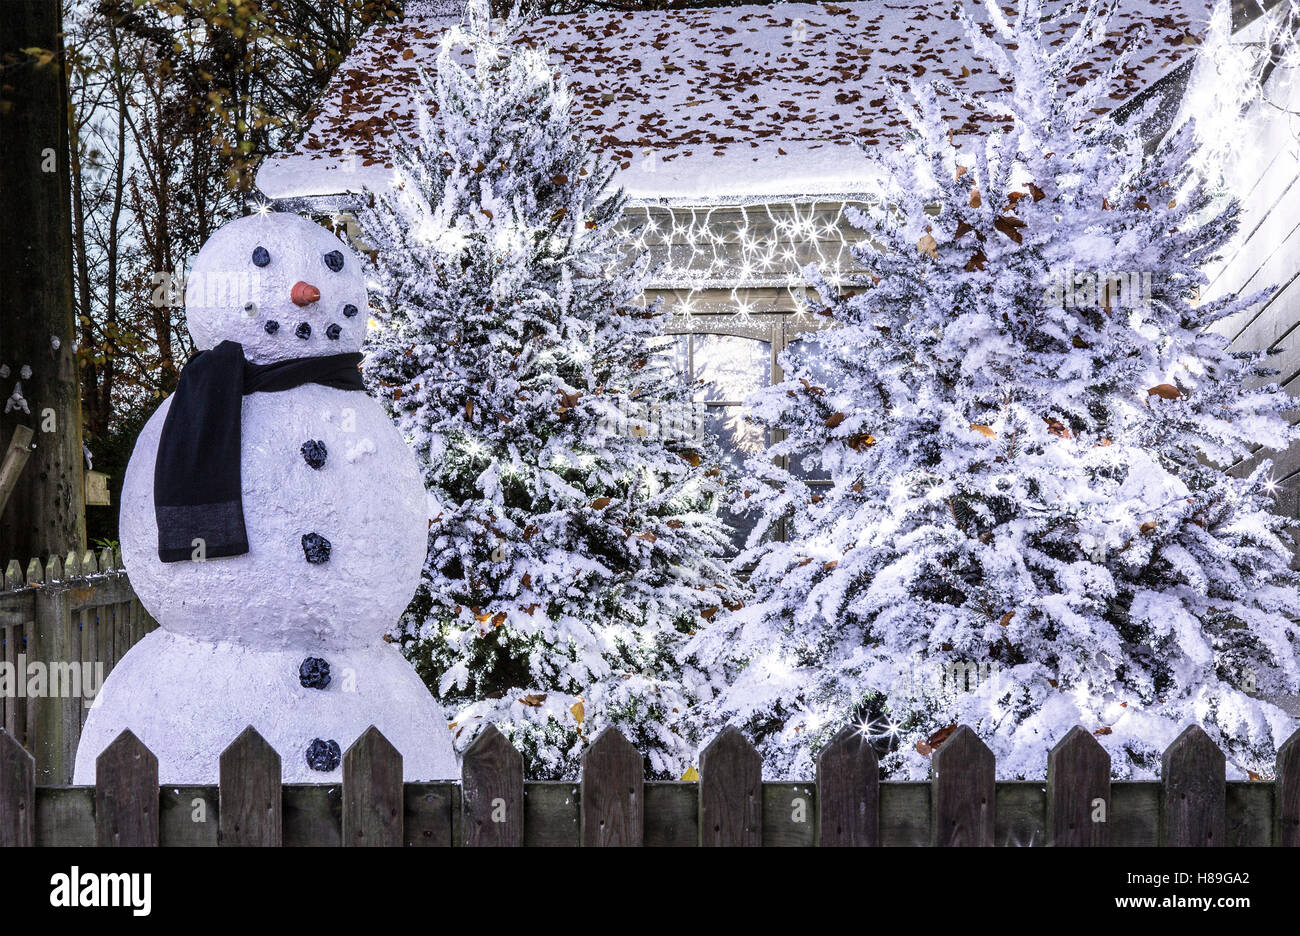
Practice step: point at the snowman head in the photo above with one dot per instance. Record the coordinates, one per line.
(281, 286)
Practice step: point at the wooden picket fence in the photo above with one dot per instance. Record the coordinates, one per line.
(1079, 805)
(71, 610)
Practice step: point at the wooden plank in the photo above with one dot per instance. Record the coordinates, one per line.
(613, 804)
(427, 816)
(249, 798)
(48, 722)
(1248, 812)
(731, 801)
(964, 788)
(789, 815)
(1193, 772)
(65, 817)
(1078, 792)
(906, 809)
(492, 792)
(90, 653)
(672, 814)
(15, 459)
(552, 816)
(1287, 793)
(312, 814)
(126, 794)
(122, 638)
(13, 638)
(848, 791)
(17, 793)
(373, 799)
(1135, 813)
(1020, 814)
(189, 816)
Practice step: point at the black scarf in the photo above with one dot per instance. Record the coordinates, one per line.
(196, 490)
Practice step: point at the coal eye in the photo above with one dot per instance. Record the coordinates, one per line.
(334, 260)
(260, 256)
(349, 310)
(250, 308)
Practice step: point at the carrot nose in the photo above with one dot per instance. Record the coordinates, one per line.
(304, 293)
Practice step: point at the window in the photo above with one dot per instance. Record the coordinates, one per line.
(732, 356)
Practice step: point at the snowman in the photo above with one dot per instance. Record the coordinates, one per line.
(273, 522)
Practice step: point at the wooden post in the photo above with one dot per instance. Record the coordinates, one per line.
(54, 742)
(613, 800)
(17, 793)
(492, 792)
(731, 792)
(15, 457)
(1078, 778)
(1287, 793)
(46, 511)
(848, 791)
(373, 798)
(126, 794)
(250, 811)
(963, 788)
(1193, 774)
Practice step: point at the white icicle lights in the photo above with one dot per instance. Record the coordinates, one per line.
(1027, 523)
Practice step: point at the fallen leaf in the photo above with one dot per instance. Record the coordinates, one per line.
(1165, 392)
(534, 699)
(984, 430)
(600, 503)
(691, 776)
(579, 712)
(930, 744)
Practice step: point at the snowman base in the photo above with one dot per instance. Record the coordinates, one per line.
(188, 699)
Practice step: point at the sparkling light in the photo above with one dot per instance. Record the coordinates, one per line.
(742, 247)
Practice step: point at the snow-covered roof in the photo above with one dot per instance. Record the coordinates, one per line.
(702, 105)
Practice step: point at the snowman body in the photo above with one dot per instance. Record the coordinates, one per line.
(335, 515)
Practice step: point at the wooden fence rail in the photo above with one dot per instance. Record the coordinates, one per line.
(1078, 805)
(78, 612)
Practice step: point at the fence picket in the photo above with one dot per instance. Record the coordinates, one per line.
(1078, 776)
(1193, 774)
(14, 722)
(964, 787)
(492, 792)
(613, 800)
(13, 575)
(1287, 794)
(249, 809)
(373, 797)
(848, 791)
(731, 792)
(35, 572)
(126, 794)
(17, 793)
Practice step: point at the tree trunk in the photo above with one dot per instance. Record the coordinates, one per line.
(46, 513)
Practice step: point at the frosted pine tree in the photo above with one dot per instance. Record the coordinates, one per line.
(573, 545)
(1025, 422)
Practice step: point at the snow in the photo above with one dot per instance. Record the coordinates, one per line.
(234, 630)
(709, 105)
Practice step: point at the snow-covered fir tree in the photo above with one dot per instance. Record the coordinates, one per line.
(574, 544)
(1025, 420)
